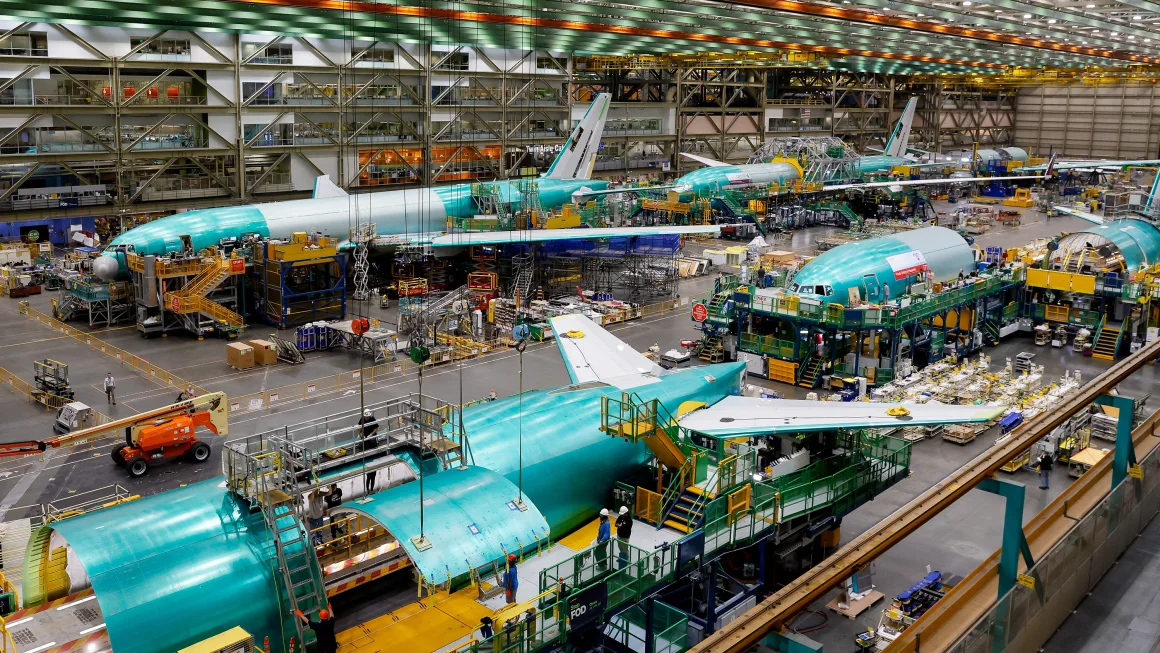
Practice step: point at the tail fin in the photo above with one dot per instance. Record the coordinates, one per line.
(1050, 171)
(324, 187)
(899, 140)
(579, 154)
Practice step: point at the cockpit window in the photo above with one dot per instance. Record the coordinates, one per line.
(819, 290)
(829, 290)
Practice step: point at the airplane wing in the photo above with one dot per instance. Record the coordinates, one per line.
(713, 163)
(1090, 217)
(924, 182)
(544, 235)
(593, 354)
(1072, 165)
(751, 416)
(638, 190)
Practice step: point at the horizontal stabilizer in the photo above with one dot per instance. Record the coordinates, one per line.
(545, 235)
(712, 163)
(1090, 217)
(593, 354)
(752, 416)
(324, 187)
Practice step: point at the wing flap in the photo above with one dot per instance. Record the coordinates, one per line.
(751, 416)
(593, 354)
(545, 235)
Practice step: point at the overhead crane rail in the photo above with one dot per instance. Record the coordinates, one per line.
(776, 610)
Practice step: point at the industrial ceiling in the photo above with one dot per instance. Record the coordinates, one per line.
(877, 35)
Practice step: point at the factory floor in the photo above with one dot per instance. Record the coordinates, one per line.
(955, 542)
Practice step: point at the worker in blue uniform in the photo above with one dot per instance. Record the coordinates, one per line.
(511, 580)
(603, 535)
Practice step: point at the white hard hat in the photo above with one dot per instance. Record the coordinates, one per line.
(604, 512)
(367, 413)
(623, 509)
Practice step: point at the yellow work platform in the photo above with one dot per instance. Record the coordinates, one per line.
(421, 627)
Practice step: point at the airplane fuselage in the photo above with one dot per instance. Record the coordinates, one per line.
(569, 464)
(411, 212)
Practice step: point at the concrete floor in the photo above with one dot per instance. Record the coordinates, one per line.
(955, 542)
(1122, 613)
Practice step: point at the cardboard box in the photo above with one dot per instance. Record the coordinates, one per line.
(265, 352)
(239, 355)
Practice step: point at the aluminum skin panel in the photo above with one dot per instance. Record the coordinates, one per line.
(467, 519)
(171, 569)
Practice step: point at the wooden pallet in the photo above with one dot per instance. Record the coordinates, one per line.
(855, 608)
(959, 433)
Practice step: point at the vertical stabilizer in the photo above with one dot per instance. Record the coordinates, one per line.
(900, 139)
(578, 157)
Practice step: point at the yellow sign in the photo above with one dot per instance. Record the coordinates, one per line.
(1135, 471)
(1027, 581)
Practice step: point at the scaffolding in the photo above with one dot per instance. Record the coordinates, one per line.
(102, 304)
(824, 159)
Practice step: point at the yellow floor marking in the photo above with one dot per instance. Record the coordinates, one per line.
(419, 627)
(582, 537)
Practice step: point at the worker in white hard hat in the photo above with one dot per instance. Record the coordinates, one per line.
(623, 533)
(603, 534)
(369, 427)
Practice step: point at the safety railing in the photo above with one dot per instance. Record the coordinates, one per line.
(346, 380)
(148, 370)
(783, 349)
(1107, 529)
(530, 630)
(839, 482)
(648, 505)
(853, 318)
(670, 628)
(48, 400)
(628, 570)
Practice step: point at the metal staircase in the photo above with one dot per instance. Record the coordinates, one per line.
(840, 208)
(635, 419)
(192, 297)
(288, 352)
(991, 333)
(1108, 343)
(490, 201)
(688, 511)
(64, 308)
(522, 283)
(812, 372)
(711, 350)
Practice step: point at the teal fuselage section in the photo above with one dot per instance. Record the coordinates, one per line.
(879, 163)
(414, 211)
(569, 465)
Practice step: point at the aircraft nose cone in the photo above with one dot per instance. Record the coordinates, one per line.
(106, 267)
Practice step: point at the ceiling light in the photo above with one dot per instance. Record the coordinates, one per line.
(1091, 6)
(1137, 17)
(1115, 33)
(1051, 21)
(1131, 38)
(967, 3)
(1147, 40)
(998, 11)
(1026, 15)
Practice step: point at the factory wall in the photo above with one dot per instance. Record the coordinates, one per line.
(57, 228)
(1089, 121)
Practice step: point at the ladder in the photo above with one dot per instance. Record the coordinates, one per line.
(277, 495)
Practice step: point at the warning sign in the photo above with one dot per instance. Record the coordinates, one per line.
(311, 388)
(175, 304)
(1026, 581)
(1136, 471)
(907, 264)
(700, 312)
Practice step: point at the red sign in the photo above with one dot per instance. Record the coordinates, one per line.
(908, 264)
(175, 304)
(700, 312)
(237, 265)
